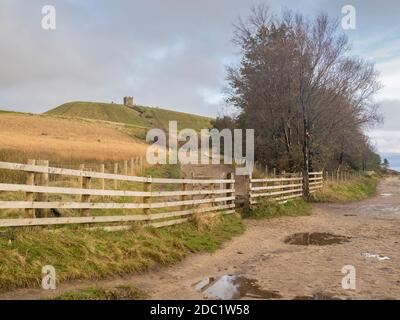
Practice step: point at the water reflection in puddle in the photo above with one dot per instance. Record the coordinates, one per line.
(316, 238)
(229, 287)
(379, 208)
(374, 256)
(386, 194)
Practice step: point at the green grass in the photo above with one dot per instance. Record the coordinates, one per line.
(96, 293)
(6, 111)
(346, 191)
(100, 111)
(151, 117)
(268, 210)
(185, 120)
(77, 253)
(171, 171)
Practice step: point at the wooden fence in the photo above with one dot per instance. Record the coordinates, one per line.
(316, 180)
(281, 189)
(174, 200)
(218, 196)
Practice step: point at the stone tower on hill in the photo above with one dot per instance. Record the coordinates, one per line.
(128, 102)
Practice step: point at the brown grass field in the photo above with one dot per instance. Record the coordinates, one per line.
(25, 136)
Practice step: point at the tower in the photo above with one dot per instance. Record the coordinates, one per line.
(128, 101)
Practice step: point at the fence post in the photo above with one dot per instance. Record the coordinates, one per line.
(132, 167)
(84, 184)
(192, 206)
(294, 182)
(103, 181)
(147, 200)
(30, 196)
(81, 168)
(248, 191)
(115, 172)
(43, 181)
(229, 186)
(86, 181)
(126, 167)
(183, 197)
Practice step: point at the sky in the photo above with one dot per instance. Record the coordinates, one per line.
(168, 53)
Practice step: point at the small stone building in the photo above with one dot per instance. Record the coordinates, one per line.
(128, 102)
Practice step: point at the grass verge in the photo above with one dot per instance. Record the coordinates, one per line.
(77, 253)
(346, 191)
(268, 210)
(96, 293)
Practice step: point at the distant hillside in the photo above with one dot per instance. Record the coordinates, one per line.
(150, 118)
(70, 141)
(6, 111)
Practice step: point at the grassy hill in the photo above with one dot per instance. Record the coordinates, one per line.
(65, 140)
(150, 118)
(6, 111)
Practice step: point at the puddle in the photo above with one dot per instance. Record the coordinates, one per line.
(317, 296)
(316, 239)
(374, 256)
(386, 194)
(230, 287)
(380, 208)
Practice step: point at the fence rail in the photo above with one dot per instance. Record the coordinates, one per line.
(277, 189)
(100, 175)
(316, 180)
(196, 196)
(217, 200)
(281, 189)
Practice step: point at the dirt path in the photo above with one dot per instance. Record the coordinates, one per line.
(282, 270)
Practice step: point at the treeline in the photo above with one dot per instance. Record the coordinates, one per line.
(309, 100)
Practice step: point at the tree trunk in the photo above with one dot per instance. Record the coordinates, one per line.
(306, 156)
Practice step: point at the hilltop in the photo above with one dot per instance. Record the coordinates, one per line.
(140, 116)
(6, 111)
(86, 131)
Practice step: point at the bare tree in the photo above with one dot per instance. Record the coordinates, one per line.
(300, 89)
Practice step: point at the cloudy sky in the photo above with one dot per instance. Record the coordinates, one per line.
(168, 53)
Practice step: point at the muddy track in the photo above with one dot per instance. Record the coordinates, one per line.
(262, 265)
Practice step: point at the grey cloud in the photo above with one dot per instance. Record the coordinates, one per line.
(390, 110)
(168, 53)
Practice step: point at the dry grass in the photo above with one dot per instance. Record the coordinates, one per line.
(77, 253)
(43, 137)
(205, 222)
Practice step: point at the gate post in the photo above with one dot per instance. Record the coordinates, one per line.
(230, 186)
(247, 202)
